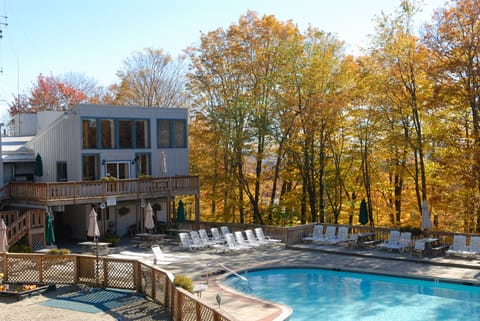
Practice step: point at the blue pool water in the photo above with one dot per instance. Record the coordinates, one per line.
(317, 294)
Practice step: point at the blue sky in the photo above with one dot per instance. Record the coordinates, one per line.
(93, 37)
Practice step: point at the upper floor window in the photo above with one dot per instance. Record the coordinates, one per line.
(171, 133)
(125, 137)
(115, 133)
(141, 134)
(108, 133)
(179, 134)
(89, 131)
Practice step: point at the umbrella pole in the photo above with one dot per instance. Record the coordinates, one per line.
(96, 261)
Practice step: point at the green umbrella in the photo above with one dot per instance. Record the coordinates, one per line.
(363, 216)
(38, 166)
(180, 212)
(49, 233)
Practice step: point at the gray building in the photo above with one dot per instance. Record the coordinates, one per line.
(112, 158)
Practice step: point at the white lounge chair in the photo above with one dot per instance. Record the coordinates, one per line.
(352, 240)
(419, 247)
(206, 239)
(241, 241)
(317, 234)
(150, 257)
(196, 240)
(474, 247)
(459, 246)
(159, 256)
(342, 236)
(329, 235)
(262, 238)
(232, 245)
(224, 230)
(216, 235)
(405, 241)
(252, 240)
(393, 242)
(187, 243)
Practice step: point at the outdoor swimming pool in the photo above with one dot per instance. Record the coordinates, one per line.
(318, 294)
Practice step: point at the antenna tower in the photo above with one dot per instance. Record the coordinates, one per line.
(3, 24)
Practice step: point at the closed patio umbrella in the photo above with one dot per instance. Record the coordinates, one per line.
(38, 166)
(149, 223)
(180, 212)
(93, 230)
(3, 236)
(426, 222)
(163, 164)
(49, 232)
(363, 215)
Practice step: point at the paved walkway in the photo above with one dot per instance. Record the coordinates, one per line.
(205, 266)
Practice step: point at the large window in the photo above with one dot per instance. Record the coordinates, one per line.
(125, 134)
(163, 133)
(179, 134)
(108, 133)
(141, 134)
(90, 167)
(171, 133)
(89, 129)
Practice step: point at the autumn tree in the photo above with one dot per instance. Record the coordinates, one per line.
(400, 64)
(95, 94)
(454, 36)
(151, 78)
(237, 74)
(48, 93)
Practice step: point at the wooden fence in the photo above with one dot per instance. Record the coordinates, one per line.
(294, 234)
(108, 272)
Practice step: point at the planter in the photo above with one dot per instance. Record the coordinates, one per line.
(21, 291)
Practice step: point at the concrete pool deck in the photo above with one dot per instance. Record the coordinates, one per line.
(245, 308)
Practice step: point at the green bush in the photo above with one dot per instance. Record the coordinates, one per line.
(59, 251)
(111, 238)
(20, 248)
(183, 282)
(108, 178)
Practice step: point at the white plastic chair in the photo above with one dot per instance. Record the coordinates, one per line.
(241, 241)
(262, 238)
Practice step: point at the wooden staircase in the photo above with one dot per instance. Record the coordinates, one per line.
(30, 224)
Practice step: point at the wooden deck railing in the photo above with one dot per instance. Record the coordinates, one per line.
(55, 193)
(108, 272)
(19, 225)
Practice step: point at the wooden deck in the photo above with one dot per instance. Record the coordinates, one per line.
(84, 192)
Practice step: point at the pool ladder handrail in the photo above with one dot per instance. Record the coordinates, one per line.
(241, 277)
